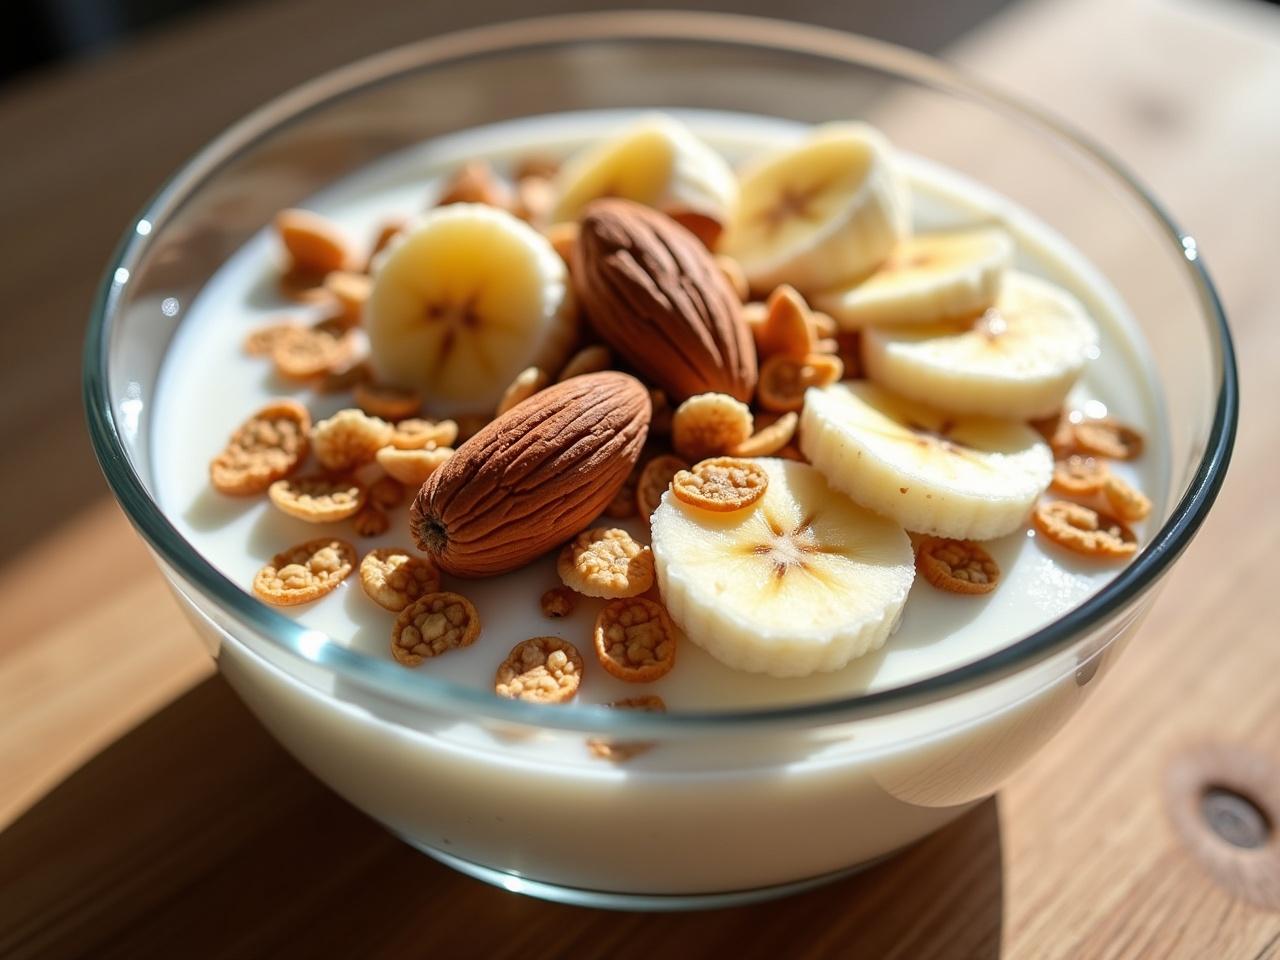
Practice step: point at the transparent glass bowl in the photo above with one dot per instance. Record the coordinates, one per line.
(736, 805)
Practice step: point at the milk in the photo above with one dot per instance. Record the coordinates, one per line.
(447, 786)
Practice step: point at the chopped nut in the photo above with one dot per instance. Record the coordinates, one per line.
(710, 424)
(770, 439)
(1128, 502)
(386, 492)
(267, 446)
(305, 572)
(1082, 530)
(721, 485)
(314, 244)
(1079, 476)
(350, 290)
(262, 341)
(558, 602)
(475, 182)
(317, 499)
(540, 670)
(957, 566)
(394, 578)
(387, 402)
(371, 522)
(606, 563)
(348, 439)
(621, 752)
(655, 478)
(527, 382)
(787, 328)
(1108, 438)
(412, 467)
(634, 640)
(590, 359)
(389, 230)
(303, 353)
(433, 624)
(417, 434)
(736, 276)
(784, 379)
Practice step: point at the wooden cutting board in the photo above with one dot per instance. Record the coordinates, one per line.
(145, 813)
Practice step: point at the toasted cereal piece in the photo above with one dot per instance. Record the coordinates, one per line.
(318, 498)
(307, 352)
(1083, 530)
(1107, 438)
(655, 478)
(824, 325)
(590, 359)
(634, 640)
(736, 276)
(386, 493)
(957, 566)
(606, 563)
(620, 752)
(435, 623)
(262, 341)
(302, 286)
(527, 382)
(623, 503)
(415, 434)
(787, 328)
(784, 379)
(388, 231)
(1059, 432)
(349, 438)
(558, 602)
(389, 403)
(394, 578)
(769, 439)
(412, 467)
(349, 290)
(662, 415)
(1078, 476)
(344, 379)
(306, 572)
(1128, 502)
(314, 243)
(267, 446)
(371, 522)
(540, 670)
(721, 485)
(563, 237)
(709, 424)
(475, 182)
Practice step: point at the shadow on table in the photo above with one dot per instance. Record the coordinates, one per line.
(195, 835)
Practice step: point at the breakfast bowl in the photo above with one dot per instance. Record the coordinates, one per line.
(716, 802)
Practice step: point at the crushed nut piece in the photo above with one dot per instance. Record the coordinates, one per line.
(303, 353)
(412, 467)
(621, 752)
(784, 379)
(417, 434)
(606, 563)
(386, 492)
(558, 602)
(394, 578)
(787, 328)
(475, 182)
(387, 402)
(1108, 438)
(540, 670)
(350, 290)
(736, 276)
(1128, 502)
(527, 382)
(709, 424)
(769, 439)
(957, 566)
(305, 572)
(262, 341)
(634, 640)
(433, 624)
(319, 498)
(1079, 476)
(371, 522)
(1082, 530)
(590, 359)
(267, 446)
(349, 438)
(655, 478)
(721, 485)
(314, 244)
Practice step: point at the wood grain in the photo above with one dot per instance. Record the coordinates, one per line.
(183, 831)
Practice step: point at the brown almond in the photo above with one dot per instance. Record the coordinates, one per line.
(656, 295)
(534, 477)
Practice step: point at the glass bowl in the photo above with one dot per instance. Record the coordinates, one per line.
(736, 806)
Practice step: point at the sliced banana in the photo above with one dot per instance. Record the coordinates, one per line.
(820, 214)
(463, 301)
(971, 478)
(803, 582)
(929, 278)
(1018, 360)
(657, 161)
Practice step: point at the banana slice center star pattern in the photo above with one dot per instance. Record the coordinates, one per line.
(793, 203)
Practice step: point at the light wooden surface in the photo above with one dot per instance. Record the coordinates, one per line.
(182, 830)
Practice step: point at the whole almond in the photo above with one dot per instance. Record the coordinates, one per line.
(655, 294)
(534, 477)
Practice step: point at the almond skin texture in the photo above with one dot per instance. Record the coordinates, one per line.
(656, 296)
(534, 477)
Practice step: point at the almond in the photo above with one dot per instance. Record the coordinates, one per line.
(656, 295)
(534, 477)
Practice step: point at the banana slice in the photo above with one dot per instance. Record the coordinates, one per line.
(972, 478)
(929, 278)
(803, 582)
(1017, 360)
(659, 162)
(820, 214)
(463, 301)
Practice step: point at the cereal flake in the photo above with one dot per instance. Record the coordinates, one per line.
(433, 624)
(606, 563)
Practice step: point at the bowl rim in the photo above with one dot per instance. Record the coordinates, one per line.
(381, 677)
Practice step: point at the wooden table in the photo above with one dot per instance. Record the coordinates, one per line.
(146, 814)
